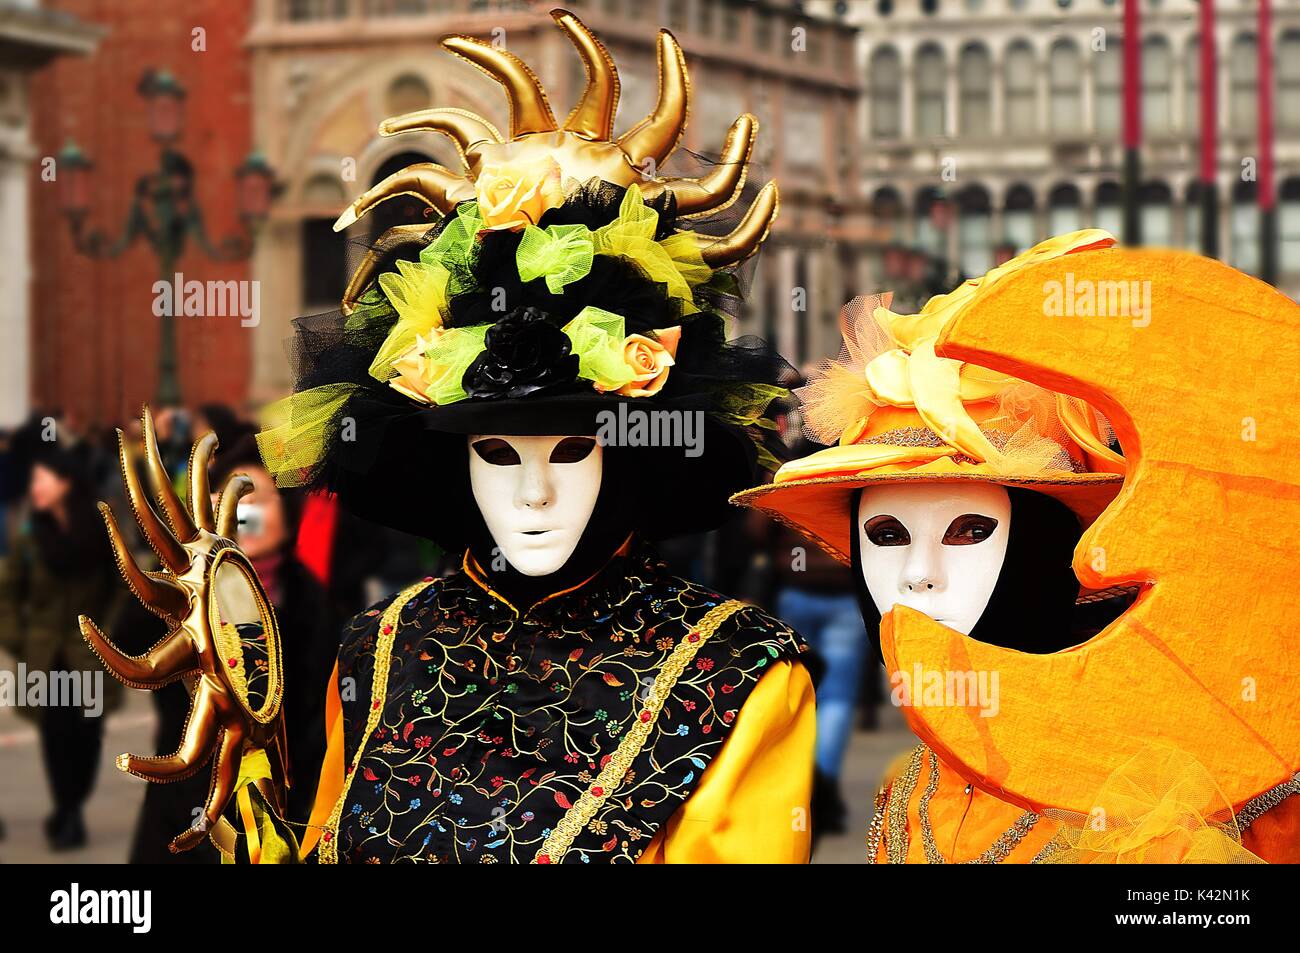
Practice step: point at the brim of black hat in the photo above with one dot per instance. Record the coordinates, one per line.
(419, 481)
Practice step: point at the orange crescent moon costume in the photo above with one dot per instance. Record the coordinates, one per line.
(1173, 734)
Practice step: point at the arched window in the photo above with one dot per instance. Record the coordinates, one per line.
(928, 235)
(887, 208)
(1107, 214)
(1157, 92)
(1243, 83)
(886, 91)
(1021, 96)
(1107, 74)
(1245, 228)
(975, 79)
(1018, 228)
(974, 233)
(1192, 81)
(1157, 213)
(1288, 81)
(406, 94)
(1288, 227)
(930, 83)
(1065, 88)
(1063, 210)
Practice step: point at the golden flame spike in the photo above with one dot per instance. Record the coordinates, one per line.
(717, 190)
(529, 110)
(170, 659)
(157, 592)
(439, 187)
(748, 235)
(203, 732)
(228, 508)
(152, 527)
(200, 492)
(173, 509)
(468, 130)
(593, 117)
(399, 236)
(656, 136)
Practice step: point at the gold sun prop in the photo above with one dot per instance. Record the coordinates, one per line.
(582, 148)
(222, 637)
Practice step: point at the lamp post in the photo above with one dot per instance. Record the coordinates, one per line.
(163, 211)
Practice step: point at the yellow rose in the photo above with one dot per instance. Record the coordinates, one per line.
(512, 196)
(649, 361)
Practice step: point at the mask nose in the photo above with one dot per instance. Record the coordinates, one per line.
(535, 490)
(923, 573)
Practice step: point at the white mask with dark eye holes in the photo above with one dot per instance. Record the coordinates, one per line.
(536, 495)
(937, 548)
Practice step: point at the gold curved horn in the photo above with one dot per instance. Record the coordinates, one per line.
(593, 116)
(201, 733)
(399, 236)
(439, 187)
(656, 136)
(228, 510)
(200, 491)
(173, 509)
(152, 527)
(171, 658)
(155, 591)
(468, 130)
(529, 110)
(721, 186)
(747, 236)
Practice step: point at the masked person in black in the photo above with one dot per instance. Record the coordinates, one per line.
(542, 382)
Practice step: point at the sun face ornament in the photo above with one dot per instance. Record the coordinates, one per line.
(222, 640)
(578, 151)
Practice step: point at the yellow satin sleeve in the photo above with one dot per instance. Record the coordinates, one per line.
(751, 806)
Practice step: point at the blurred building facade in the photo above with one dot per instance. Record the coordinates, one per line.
(30, 38)
(94, 334)
(1011, 110)
(327, 71)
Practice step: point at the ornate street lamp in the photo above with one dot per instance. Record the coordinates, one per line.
(163, 210)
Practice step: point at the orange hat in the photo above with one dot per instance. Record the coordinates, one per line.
(898, 412)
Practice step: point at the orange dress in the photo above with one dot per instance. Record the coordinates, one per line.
(927, 813)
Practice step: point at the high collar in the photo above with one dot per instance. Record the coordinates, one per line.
(610, 572)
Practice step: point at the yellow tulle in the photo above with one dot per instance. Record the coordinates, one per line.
(431, 371)
(562, 254)
(418, 292)
(676, 261)
(597, 337)
(295, 431)
(1160, 807)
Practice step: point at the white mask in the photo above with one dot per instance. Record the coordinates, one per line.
(536, 495)
(937, 548)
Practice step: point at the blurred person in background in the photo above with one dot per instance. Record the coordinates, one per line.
(58, 565)
(815, 595)
(309, 630)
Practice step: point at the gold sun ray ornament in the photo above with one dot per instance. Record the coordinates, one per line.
(216, 610)
(582, 148)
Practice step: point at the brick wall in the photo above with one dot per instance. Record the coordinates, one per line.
(94, 335)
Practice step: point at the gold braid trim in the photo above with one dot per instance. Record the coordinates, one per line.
(388, 622)
(611, 776)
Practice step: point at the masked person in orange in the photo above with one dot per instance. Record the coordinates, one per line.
(965, 484)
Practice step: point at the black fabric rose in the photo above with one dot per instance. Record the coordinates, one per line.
(523, 353)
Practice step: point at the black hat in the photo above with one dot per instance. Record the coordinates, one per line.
(558, 294)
